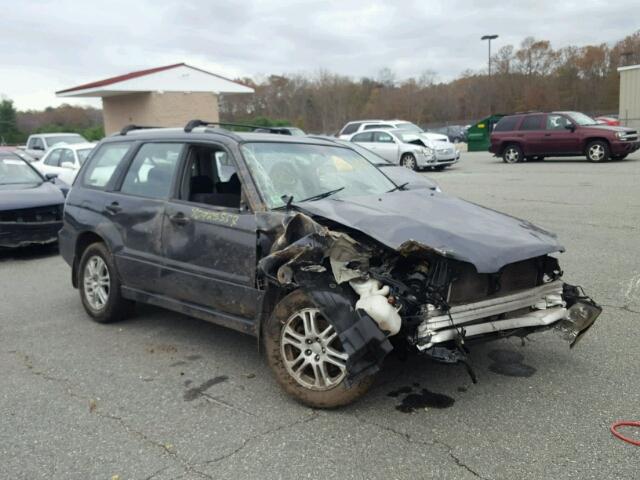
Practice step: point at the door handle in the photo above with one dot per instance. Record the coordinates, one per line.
(113, 208)
(179, 218)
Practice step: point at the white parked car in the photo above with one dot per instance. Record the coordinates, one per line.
(404, 148)
(352, 128)
(38, 144)
(445, 150)
(64, 160)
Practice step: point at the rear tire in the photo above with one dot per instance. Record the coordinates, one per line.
(99, 286)
(409, 161)
(598, 151)
(512, 153)
(302, 365)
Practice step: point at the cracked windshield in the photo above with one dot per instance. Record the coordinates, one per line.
(305, 172)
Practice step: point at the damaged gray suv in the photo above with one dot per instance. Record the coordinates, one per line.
(306, 245)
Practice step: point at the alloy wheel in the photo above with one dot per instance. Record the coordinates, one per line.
(409, 162)
(596, 152)
(97, 282)
(512, 155)
(311, 351)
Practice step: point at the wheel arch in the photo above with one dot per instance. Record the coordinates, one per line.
(589, 140)
(505, 143)
(82, 242)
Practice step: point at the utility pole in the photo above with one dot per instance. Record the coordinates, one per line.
(489, 38)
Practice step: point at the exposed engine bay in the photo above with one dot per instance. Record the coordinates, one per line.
(438, 304)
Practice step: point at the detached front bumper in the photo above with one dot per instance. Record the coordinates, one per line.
(551, 305)
(439, 157)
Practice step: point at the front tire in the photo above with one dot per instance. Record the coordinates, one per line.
(100, 287)
(512, 154)
(598, 151)
(408, 160)
(305, 355)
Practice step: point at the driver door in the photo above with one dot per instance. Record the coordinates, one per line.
(209, 239)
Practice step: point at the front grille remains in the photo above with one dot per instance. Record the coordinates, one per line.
(51, 213)
(470, 286)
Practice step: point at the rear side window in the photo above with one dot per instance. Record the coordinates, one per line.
(104, 163)
(151, 172)
(383, 137)
(363, 137)
(532, 122)
(350, 128)
(506, 124)
(377, 125)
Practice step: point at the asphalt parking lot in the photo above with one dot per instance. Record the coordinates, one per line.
(165, 396)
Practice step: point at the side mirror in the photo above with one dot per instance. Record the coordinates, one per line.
(68, 165)
(50, 176)
(571, 127)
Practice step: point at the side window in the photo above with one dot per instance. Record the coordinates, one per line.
(211, 178)
(350, 128)
(532, 122)
(67, 156)
(53, 159)
(363, 137)
(506, 124)
(151, 171)
(382, 137)
(557, 122)
(37, 143)
(104, 163)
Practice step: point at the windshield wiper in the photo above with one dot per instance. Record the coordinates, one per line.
(399, 187)
(320, 196)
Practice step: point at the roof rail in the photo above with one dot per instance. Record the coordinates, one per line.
(129, 128)
(204, 123)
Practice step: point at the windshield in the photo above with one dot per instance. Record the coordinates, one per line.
(83, 154)
(68, 139)
(581, 118)
(409, 127)
(303, 171)
(15, 171)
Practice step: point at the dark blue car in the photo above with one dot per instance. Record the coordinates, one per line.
(308, 246)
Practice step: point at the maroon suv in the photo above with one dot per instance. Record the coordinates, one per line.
(533, 136)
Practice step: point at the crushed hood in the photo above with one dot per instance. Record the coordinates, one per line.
(452, 227)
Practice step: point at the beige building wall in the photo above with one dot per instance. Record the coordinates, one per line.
(630, 98)
(167, 109)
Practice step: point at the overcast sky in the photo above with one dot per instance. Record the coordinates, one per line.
(51, 45)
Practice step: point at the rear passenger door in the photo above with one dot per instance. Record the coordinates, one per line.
(209, 238)
(532, 131)
(134, 209)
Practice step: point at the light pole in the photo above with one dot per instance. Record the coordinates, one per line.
(489, 38)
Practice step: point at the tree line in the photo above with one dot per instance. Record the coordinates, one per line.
(532, 76)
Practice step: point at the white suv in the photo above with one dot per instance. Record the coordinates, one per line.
(352, 128)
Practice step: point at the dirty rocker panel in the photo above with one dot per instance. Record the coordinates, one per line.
(241, 324)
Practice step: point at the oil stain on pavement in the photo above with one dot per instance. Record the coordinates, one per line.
(198, 391)
(420, 399)
(508, 363)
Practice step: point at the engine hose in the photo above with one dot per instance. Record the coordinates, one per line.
(614, 430)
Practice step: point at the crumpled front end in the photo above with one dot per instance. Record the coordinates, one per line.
(371, 293)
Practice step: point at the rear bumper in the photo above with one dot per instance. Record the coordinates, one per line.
(553, 304)
(20, 234)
